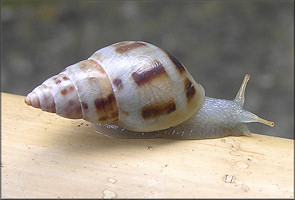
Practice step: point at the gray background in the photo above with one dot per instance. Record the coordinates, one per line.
(218, 42)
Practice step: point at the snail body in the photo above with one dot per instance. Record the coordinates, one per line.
(133, 89)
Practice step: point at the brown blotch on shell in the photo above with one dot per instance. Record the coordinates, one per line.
(124, 47)
(71, 88)
(177, 63)
(107, 106)
(84, 105)
(91, 64)
(189, 89)
(153, 111)
(57, 82)
(118, 83)
(63, 91)
(65, 78)
(142, 77)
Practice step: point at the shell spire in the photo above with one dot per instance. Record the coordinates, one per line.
(82, 90)
(56, 95)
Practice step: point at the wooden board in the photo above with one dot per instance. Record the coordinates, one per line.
(46, 156)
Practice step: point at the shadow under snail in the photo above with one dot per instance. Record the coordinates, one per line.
(133, 89)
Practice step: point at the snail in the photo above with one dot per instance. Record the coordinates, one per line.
(134, 89)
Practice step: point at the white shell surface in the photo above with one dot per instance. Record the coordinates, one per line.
(153, 90)
(132, 84)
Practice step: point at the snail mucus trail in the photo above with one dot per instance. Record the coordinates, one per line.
(133, 89)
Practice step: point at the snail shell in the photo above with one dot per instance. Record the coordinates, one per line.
(132, 84)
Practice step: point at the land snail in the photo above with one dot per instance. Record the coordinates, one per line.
(133, 89)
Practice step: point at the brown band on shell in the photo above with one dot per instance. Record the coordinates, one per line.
(96, 56)
(118, 83)
(189, 89)
(90, 64)
(94, 63)
(125, 47)
(107, 107)
(153, 111)
(141, 77)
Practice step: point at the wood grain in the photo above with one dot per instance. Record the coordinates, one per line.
(46, 156)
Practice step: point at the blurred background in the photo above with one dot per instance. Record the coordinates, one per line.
(218, 42)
